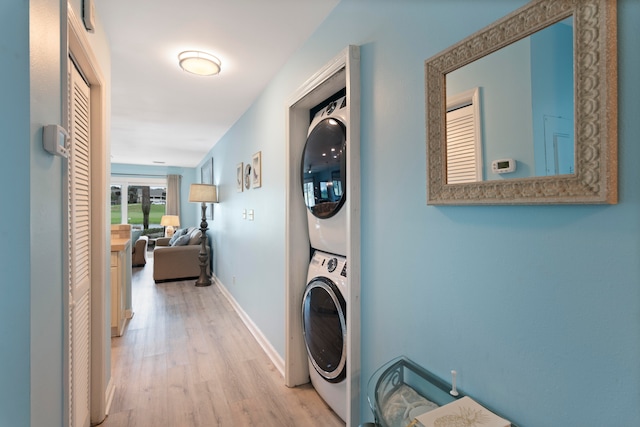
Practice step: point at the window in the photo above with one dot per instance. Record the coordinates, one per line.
(138, 201)
(337, 188)
(309, 196)
(116, 201)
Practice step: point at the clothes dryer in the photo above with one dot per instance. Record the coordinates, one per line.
(324, 178)
(324, 325)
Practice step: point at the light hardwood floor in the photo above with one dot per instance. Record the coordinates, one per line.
(187, 360)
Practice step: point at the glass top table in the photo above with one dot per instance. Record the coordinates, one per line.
(401, 390)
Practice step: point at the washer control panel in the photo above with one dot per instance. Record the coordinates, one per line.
(344, 270)
(330, 263)
(331, 108)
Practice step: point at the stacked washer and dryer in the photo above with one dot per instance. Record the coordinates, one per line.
(324, 305)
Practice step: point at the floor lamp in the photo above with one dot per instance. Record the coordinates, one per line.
(203, 193)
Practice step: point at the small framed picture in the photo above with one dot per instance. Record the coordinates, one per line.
(256, 170)
(240, 177)
(247, 176)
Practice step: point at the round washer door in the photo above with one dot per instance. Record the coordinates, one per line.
(324, 326)
(324, 168)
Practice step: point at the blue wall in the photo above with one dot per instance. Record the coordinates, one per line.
(552, 89)
(536, 307)
(46, 216)
(15, 310)
(31, 266)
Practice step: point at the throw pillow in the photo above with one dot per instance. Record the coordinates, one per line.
(195, 237)
(182, 240)
(179, 232)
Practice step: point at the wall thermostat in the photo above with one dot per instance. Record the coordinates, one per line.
(503, 166)
(56, 140)
(89, 15)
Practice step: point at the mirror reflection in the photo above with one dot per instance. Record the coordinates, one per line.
(323, 169)
(510, 114)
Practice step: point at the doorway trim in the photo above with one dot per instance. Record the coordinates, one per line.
(342, 72)
(80, 49)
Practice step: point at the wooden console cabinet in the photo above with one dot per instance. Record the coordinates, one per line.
(120, 266)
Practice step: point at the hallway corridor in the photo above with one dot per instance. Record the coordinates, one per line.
(187, 360)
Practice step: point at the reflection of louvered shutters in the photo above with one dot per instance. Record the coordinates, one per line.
(461, 146)
(79, 252)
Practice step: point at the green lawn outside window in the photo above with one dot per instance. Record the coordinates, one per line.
(134, 214)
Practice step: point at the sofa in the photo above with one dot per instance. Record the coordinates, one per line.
(139, 252)
(177, 258)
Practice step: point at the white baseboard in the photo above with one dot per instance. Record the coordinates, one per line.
(110, 392)
(271, 352)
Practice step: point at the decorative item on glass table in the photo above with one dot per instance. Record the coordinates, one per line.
(463, 412)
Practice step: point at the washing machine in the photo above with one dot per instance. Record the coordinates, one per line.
(324, 177)
(324, 325)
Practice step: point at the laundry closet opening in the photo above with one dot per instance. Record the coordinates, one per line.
(324, 196)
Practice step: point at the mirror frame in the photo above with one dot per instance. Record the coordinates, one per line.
(595, 180)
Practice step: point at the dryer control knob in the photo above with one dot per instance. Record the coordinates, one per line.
(332, 106)
(331, 266)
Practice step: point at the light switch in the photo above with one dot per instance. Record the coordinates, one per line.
(250, 214)
(244, 214)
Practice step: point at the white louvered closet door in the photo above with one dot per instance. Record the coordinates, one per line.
(79, 251)
(462, 146)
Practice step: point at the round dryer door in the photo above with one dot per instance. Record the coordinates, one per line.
(324, 326)
(324, 168)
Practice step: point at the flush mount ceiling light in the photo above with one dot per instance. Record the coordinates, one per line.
(200, 63)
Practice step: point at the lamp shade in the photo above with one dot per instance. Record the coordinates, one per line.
(170, 220)
(203, 193)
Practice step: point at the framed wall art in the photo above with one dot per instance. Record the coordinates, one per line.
(247, 176)
(256, 170)
(240, 177)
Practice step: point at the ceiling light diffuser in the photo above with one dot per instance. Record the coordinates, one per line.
(199, 63)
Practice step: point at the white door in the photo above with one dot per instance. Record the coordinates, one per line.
(558, 145)
(464, 138)
(79, 198)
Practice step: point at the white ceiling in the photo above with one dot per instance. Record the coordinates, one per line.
(163, 115)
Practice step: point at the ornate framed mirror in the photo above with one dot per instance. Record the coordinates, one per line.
(542, 84)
